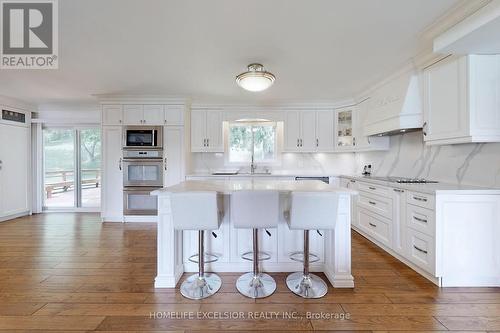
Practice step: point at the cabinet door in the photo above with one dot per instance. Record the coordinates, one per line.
(292, 131)
(325, 131)
(112, 114)
(154, 115)
(112, 189)
(174, 115)
(308, 131)
(445, 100)
(344, 139)
(198, 131)
(353, 185)
(14, 169)
(399, 221)
(214, 131)
(133, 114)
(174, 161)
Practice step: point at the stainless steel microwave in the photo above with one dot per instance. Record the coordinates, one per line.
(143, 137)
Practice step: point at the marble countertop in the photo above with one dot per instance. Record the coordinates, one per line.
(430, 188)
(229, 186)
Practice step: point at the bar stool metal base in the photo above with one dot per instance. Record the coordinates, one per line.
(307, 286)
(200, 287)
(256, 286)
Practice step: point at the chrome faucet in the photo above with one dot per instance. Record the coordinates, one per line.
(253, 167)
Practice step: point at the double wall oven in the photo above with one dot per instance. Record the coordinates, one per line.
(143, 167)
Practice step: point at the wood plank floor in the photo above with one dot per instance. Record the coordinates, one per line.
(69, 272)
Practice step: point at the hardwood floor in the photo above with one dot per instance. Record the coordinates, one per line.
(69, 272)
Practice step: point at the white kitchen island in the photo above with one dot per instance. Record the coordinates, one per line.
(332, 246)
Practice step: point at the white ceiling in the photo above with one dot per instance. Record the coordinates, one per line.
(318, 50)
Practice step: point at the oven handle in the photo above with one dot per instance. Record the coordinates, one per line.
(152, 160)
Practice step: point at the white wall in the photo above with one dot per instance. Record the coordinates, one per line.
(468, 164)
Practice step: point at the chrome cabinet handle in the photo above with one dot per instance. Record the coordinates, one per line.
(373, 225)
(319, 233)
(317, 142)
(372, 188)
(419, 249)
(398, 190)
(420, 199)
(424, 128)
(419, 219)
(354, 141)
(208, 142)
(120, 164)
(353, 181)
(298, 144)
(1, 164)
(372, 203)
(165, 163)
(204, 142)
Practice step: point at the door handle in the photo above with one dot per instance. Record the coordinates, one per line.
(373, 225)
(372, 203)
(301, 142)
(317, 142)
(424, 128)
(420, 199)
(165, 163)
(419, 219)
(398, 190)
(120, 164)
(208, 142)
(319, 233)
(372, 188)
(298, 144)
(268, 233)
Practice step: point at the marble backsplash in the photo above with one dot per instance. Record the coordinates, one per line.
(467, 164)
(304, 163)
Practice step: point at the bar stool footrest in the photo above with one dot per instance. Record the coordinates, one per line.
(262, 256)
(209, 257)
(299, 257)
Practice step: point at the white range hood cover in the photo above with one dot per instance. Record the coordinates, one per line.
(395, 107)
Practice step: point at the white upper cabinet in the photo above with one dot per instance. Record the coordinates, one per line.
(309, 131)
(462, 100)
(206, 131)
(344, 125)
(133, 114)
(143, 114)
(174, 115)
(112, 114)
(325, 131)
(292, 131)
(153, 114)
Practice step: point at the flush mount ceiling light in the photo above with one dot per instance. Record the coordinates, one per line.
(255, 78)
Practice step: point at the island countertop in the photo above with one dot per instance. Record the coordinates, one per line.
(229, 186)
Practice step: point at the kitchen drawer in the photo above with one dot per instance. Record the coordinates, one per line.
(421, 250)
(374, 189)
(377, 227)
(376, 204)
(421, 219)
(421, 199)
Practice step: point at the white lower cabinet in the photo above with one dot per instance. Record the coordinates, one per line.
(376, 226)
(449, 237)
(420, 250)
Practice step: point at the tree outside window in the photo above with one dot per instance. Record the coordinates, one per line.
(248, 138)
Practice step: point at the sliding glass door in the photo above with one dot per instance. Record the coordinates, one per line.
(72, 167)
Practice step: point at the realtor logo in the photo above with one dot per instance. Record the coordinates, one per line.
(29, 34)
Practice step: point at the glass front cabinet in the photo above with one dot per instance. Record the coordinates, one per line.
(344, 126)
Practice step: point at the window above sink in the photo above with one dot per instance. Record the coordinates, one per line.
(247, 138)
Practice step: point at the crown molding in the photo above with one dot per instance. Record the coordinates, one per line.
(142, 99)
(17, 104)
(283, 105)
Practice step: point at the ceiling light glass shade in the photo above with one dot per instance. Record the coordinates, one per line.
(255, 79)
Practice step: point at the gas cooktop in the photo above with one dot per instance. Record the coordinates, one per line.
(404, 180)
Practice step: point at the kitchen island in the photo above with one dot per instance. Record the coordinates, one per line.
(333, 247)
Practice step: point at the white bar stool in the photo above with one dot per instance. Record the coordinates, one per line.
(198, 211)
(255, 210)
(310, 211)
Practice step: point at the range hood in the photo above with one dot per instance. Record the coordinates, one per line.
(395, 107)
